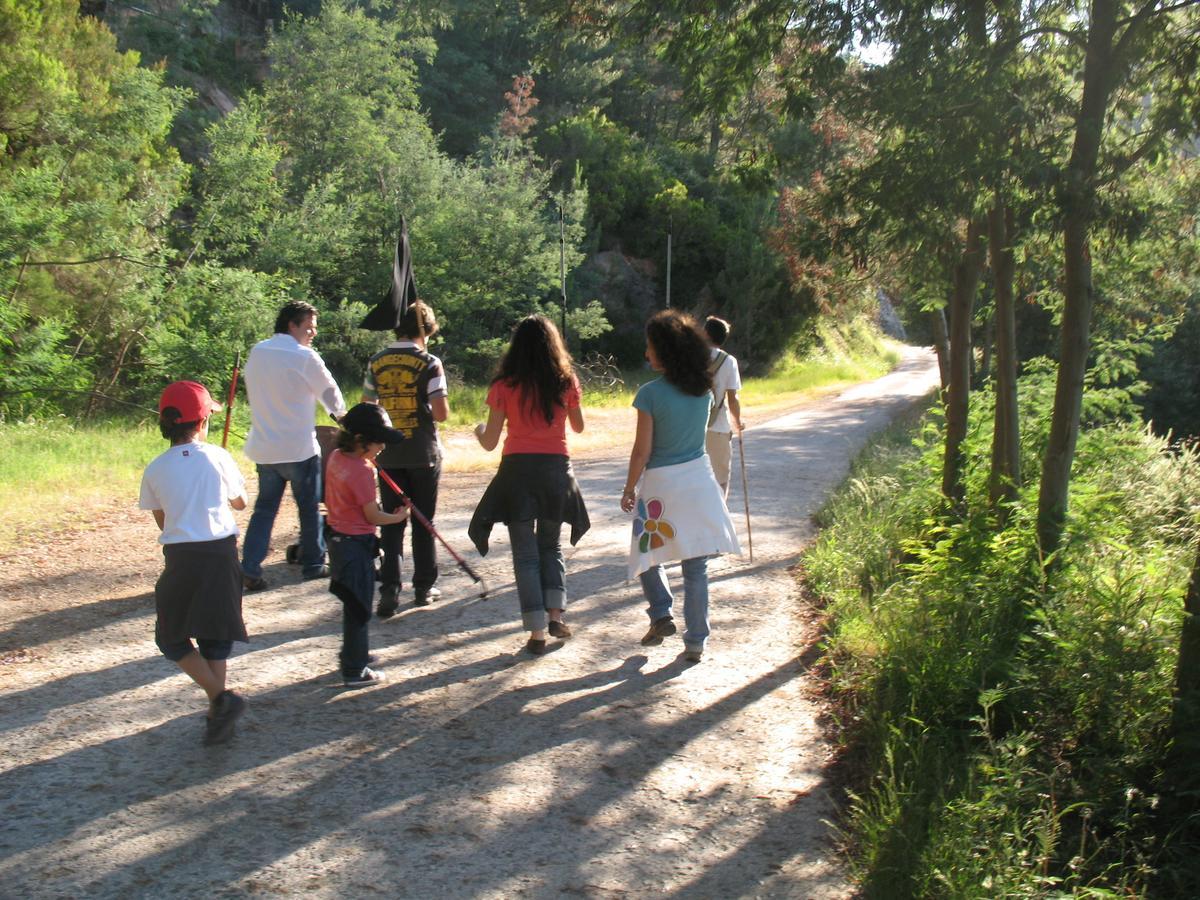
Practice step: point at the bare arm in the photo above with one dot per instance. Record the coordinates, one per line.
(440, 408)
(238, 503)
(735, 409)
(638, 457)
(377, 516)
(489, 435)
(159, 517)
(575, 417)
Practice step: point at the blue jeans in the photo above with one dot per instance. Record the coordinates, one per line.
(305, 478)
(540, 570)
(695, 598)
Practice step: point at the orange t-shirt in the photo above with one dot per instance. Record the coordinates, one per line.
(349, 486)
(528, 430)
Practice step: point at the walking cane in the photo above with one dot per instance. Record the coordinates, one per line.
(746, 494)
(237, 362)
(416, 514)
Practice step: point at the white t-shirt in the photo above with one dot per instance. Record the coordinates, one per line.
(284, 379)
(725, 379)
(192, 484)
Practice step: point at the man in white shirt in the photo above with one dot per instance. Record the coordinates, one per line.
(727, 381)
(284, 377)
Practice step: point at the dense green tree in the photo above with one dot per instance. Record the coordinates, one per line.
(89, 183)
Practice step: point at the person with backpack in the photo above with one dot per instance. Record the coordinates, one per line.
(727, 381)
(410, 384)
(679, 513)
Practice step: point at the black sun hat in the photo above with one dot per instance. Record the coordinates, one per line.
(371, 421)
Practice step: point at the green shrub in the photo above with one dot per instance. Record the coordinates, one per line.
(1010, 719)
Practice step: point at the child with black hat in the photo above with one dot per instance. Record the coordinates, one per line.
(190, 489)
(353, 514)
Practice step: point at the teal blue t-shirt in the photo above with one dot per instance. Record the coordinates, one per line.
(680, 422)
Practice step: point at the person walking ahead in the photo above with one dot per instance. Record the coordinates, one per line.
(727, 382)
(537, 394)
(284, 377)
(679, 511)
(410, 384)
(191, 489)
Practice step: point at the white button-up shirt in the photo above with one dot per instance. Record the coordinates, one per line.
(283, 381)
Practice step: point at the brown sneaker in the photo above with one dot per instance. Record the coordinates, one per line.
(558, 629)
(661, 628)
(535, 647)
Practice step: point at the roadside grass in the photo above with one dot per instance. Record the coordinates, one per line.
(1005, 725)
(62, 473)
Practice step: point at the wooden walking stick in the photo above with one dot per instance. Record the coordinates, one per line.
(237, 363)
(746, 494)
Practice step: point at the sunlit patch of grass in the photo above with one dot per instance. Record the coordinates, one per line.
(61, 472)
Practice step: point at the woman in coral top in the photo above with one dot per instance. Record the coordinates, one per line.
(534, 492)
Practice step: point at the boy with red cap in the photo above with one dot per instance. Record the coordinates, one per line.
(191, 489)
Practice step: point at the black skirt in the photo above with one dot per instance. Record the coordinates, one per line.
(199, 593)
(528, 487)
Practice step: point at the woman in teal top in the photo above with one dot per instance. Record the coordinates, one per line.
(679, 511)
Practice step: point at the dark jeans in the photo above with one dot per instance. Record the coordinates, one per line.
(421, 486)
(355, 635)
(305, 478)
(540, 571)
(352, 580)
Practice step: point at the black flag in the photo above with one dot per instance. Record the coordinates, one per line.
(402, 293)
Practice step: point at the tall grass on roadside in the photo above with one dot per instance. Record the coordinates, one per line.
(1007, 722)
(57, 474)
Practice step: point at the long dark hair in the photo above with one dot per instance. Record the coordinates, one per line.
(682, 350)
(537, 362)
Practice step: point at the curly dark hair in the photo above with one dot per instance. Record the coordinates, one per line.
(682, 350)
(348, 442)
(537, 363)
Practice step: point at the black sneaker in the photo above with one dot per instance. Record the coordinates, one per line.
(224, 711)
(661, 628)
(314, 574)
(425, 596)
(251, 584)
(365, 678)
(388, 604)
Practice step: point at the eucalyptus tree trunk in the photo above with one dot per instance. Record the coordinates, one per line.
(962, 303)
(1005, 478)
(1182, 769)
(1078, 203)
(941, 345)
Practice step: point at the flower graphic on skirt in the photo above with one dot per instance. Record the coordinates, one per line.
(650, 527)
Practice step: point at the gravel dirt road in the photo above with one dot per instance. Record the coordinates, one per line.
(601, 770)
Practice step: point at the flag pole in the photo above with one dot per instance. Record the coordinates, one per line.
(237, 363)
(670, 228)
(562, 267)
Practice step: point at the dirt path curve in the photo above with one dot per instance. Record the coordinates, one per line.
(601, 770)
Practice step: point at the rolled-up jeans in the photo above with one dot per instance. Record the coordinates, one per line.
(540, 570)
(305, 478)
(695, 599)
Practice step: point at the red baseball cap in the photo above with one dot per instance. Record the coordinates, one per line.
(191, 398)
